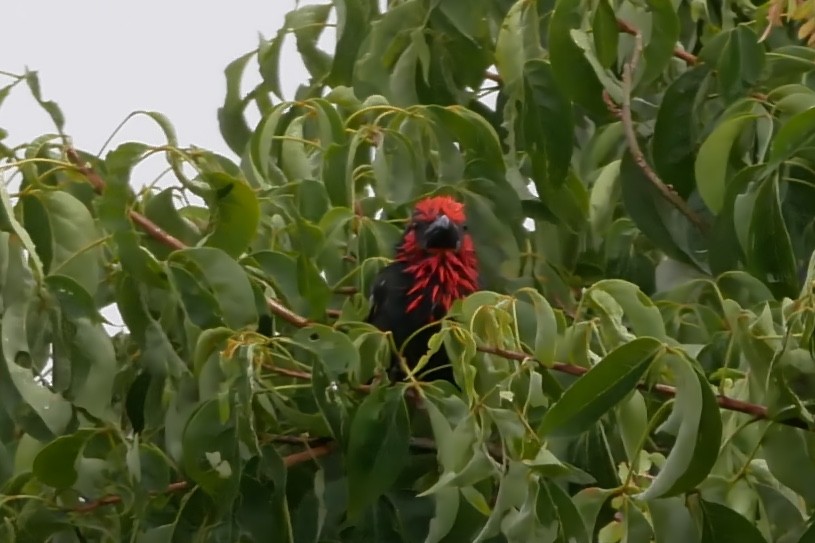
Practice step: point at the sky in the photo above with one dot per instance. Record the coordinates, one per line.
(100, 60)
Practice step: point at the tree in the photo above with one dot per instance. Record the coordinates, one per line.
(639, 179)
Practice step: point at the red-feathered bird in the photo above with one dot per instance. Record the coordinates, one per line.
(435, 264)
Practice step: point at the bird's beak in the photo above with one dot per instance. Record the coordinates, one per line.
(442, 233)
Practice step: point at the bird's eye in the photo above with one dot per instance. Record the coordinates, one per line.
(465, 227)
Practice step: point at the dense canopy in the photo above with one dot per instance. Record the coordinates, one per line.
(639, 180)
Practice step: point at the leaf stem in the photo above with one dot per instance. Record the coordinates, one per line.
(634, 148)
(757, 411)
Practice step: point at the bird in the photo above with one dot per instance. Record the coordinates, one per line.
(435, 264)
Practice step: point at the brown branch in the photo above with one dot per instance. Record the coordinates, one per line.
(757, 411)
(613, 108)
(678, 53)
(157, 233)
(98, 184)
(289, 373)
(493, 77)
(634, 148)
(308, 454)
(288, 461)
(114, 499)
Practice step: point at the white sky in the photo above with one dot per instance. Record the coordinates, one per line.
(101, 60)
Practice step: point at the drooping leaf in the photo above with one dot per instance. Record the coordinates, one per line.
(377, 447)
(596, 392)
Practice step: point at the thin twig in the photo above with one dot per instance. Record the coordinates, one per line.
(755, 410)
(157, 233)
(114, 499)
(634, 148)
(759, 412)
(98, 184)
(346, 290)
(311, 453)
(678, 53)
(493, 77)
(289, 373)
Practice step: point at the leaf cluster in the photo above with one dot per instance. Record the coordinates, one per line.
(639, 181)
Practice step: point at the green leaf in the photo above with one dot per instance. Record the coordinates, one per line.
(38, 411)
(652, 213)
(696, 448)
(210, 452)
(721, 523)
(793, 137)
(10, 225)
(32, 79)
(387, 39)
(548, 126)
(672, 521)
(54, 465)
(518, 43)
(447, 507)
(235, 214)
(604, 198)
(605, 33)
(658, 52)
(545, 344)
(335, 349)
(769, 251)
(161, 209)
(294, 159)
(308, 22)
(353, 23)
(396, 167)
(642, 314)
(231, 119)
(632, 421)
(225, 280)
(588, 502)
(604, 386)
(377, 447)
(571, 69)
(66, 236)
(89, 348)
(741, 64)
(711, 164)
(789, 453)
(312, 287)
(674, 145)
(281, 270)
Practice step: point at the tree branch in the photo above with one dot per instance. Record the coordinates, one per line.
(678, 53)
(157, 233)
(634, 147)
(758, 411)
(98, 184)
(311, 453)
(493, 77)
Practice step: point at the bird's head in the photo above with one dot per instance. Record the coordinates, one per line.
(438, 225)
(439, 253)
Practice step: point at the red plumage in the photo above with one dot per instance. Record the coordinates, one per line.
(435, 265)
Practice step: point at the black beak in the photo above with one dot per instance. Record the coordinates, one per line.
(442, 233)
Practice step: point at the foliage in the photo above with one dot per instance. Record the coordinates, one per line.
(639, 182)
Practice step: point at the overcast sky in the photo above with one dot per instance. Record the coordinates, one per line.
(101, 60)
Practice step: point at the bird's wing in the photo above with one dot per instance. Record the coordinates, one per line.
(388, 284)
